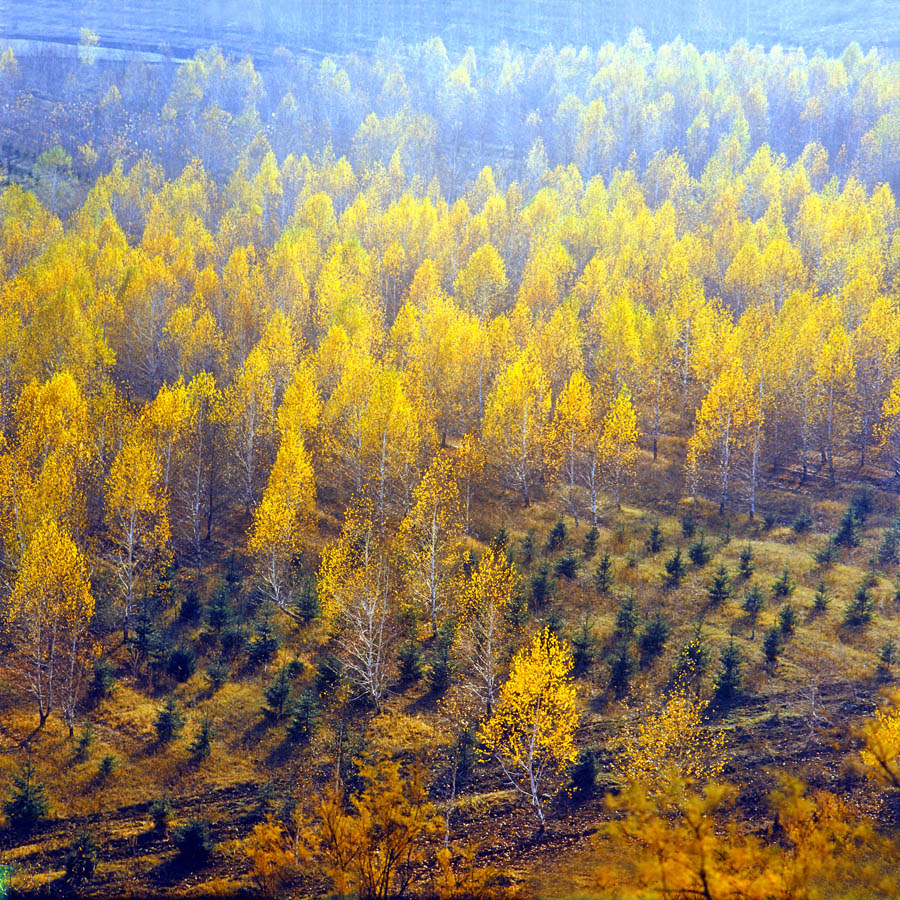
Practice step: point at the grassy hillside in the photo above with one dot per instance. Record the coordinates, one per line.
(795, 715)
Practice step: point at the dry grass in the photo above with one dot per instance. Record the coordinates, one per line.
(249, 751)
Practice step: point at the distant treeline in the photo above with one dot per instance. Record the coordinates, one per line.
(444, 115)
(350, 25)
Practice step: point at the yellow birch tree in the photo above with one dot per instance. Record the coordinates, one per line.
(531, 732)
(618, 448)
(51, 605)
(515, 422)
(281, 518)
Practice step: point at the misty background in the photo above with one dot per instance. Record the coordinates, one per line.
(332, 26)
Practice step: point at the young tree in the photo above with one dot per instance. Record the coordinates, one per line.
(617, 447)
(51, 604)
(253, 398)
(370, 845)
(835, 370)
(515, 422)
(723, 420)
(672, 743)
(480, 287)
(484, 599)
(250, 409)
(282, 516)
(656, 364)
(571, 438)
(195, 482)
(431, 533)
(44, 467)
(165, 420)
(467, 469)
(356, 591)
(137, 517)
(531, 732)
(393, 428)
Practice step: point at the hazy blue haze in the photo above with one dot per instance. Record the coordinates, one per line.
(330, 26)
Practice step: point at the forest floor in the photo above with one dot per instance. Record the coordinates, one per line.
(798, 716)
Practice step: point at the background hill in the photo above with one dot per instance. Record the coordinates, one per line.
(344, 26)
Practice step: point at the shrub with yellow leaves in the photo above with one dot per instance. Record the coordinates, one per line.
(686, 842)
(531, 732)
(371, 845)
(273, 858)
(483, 624)
(881, 735)
(672, 742)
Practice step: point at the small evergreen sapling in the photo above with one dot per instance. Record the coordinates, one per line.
(603, 576)
(81, 860)
(278, 695)
(191, 607)
(584, 776)
(169, 721)
(887, 655)
(652, 639)
(440, 659)
(409, 662)
(622, 668)
(746, 565)
(181, 664)
(557, 536)
(772, 645)
(752, 605)
(541, 586)
(847, 534)
(528, 549)
(728, 683)
(827, 553)
(675, 570)
(264, 645)
(787, 619)
(161, 813)
(194, 843)
(102, 681)
(655, 539)
(820, 599)
(567, 566)
(83, 742)
(859, 610)
(626, 617)
(107, 767)
(589, 547)
(861, 504)
(783, 586)
(27, 804)
(217, 673)
(802, 523)
(304, 718)
(720, 589)
(699, 552)
(553, 621)
(584, 649)
(202, 743)
(889, 551)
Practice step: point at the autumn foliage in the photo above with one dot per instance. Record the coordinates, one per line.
(299, 364)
